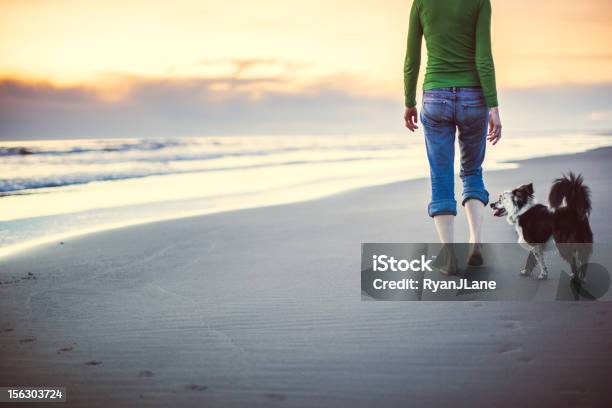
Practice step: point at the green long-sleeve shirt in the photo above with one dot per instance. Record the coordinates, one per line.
(458, 38)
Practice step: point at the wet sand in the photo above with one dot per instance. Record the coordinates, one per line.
(262, 307)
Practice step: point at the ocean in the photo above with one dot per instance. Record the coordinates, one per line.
(56, 189)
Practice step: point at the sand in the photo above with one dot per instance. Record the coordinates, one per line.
(262, 307)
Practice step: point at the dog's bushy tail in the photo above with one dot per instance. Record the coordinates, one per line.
(577, 195)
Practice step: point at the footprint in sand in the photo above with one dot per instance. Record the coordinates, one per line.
(511, 318)
(196, 387)
(507, 347)
(510, 321)
(29, 276)
(9, 282)
(276, 397)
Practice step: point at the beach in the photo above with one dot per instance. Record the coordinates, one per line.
(262, 307)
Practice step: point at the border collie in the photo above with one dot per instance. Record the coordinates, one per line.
(565, 222)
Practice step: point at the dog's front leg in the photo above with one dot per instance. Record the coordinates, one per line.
(529, 264)
(574, 267)
(539, 256)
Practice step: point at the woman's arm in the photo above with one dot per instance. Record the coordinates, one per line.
(484, 55)
(486, 70)
(413, 56)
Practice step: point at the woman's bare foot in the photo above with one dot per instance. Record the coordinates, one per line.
(475, 256)
(446, 261)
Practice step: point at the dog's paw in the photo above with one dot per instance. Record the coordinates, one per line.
(543, 275)
(525, 272)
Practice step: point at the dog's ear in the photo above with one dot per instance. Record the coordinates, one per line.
(529, 188)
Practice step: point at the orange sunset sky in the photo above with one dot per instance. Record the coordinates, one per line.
(239, 52)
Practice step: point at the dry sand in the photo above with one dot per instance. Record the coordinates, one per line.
(262, 307)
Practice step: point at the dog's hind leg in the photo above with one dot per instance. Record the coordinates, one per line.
(573, 265)
(539, 256)
(530, 263)
(583, 253)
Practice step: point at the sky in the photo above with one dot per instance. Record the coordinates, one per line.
(108, 68)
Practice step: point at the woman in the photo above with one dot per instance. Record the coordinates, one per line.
(459, 94)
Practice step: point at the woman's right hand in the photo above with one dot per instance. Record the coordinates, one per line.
(495, 126)
(410, 117)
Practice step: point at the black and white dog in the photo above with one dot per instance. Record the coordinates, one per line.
(565, 221)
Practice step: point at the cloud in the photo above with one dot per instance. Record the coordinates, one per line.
(164, 107)
(226, 105)
(564, 107)
(240, 67)
(600, 115)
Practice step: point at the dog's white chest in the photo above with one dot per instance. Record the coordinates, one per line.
(521, 239)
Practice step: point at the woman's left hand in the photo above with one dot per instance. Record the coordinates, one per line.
(495, 127)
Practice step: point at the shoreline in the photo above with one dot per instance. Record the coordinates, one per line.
(15, 249)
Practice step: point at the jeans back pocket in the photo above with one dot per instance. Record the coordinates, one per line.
(434, 112)
(473, 113)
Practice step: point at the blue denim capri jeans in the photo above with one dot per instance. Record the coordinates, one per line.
(445, 112)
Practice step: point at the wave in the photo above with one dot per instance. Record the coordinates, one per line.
(46, 164)
(90, 146)
(27, 166)
(151, 146)
(16, 185)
